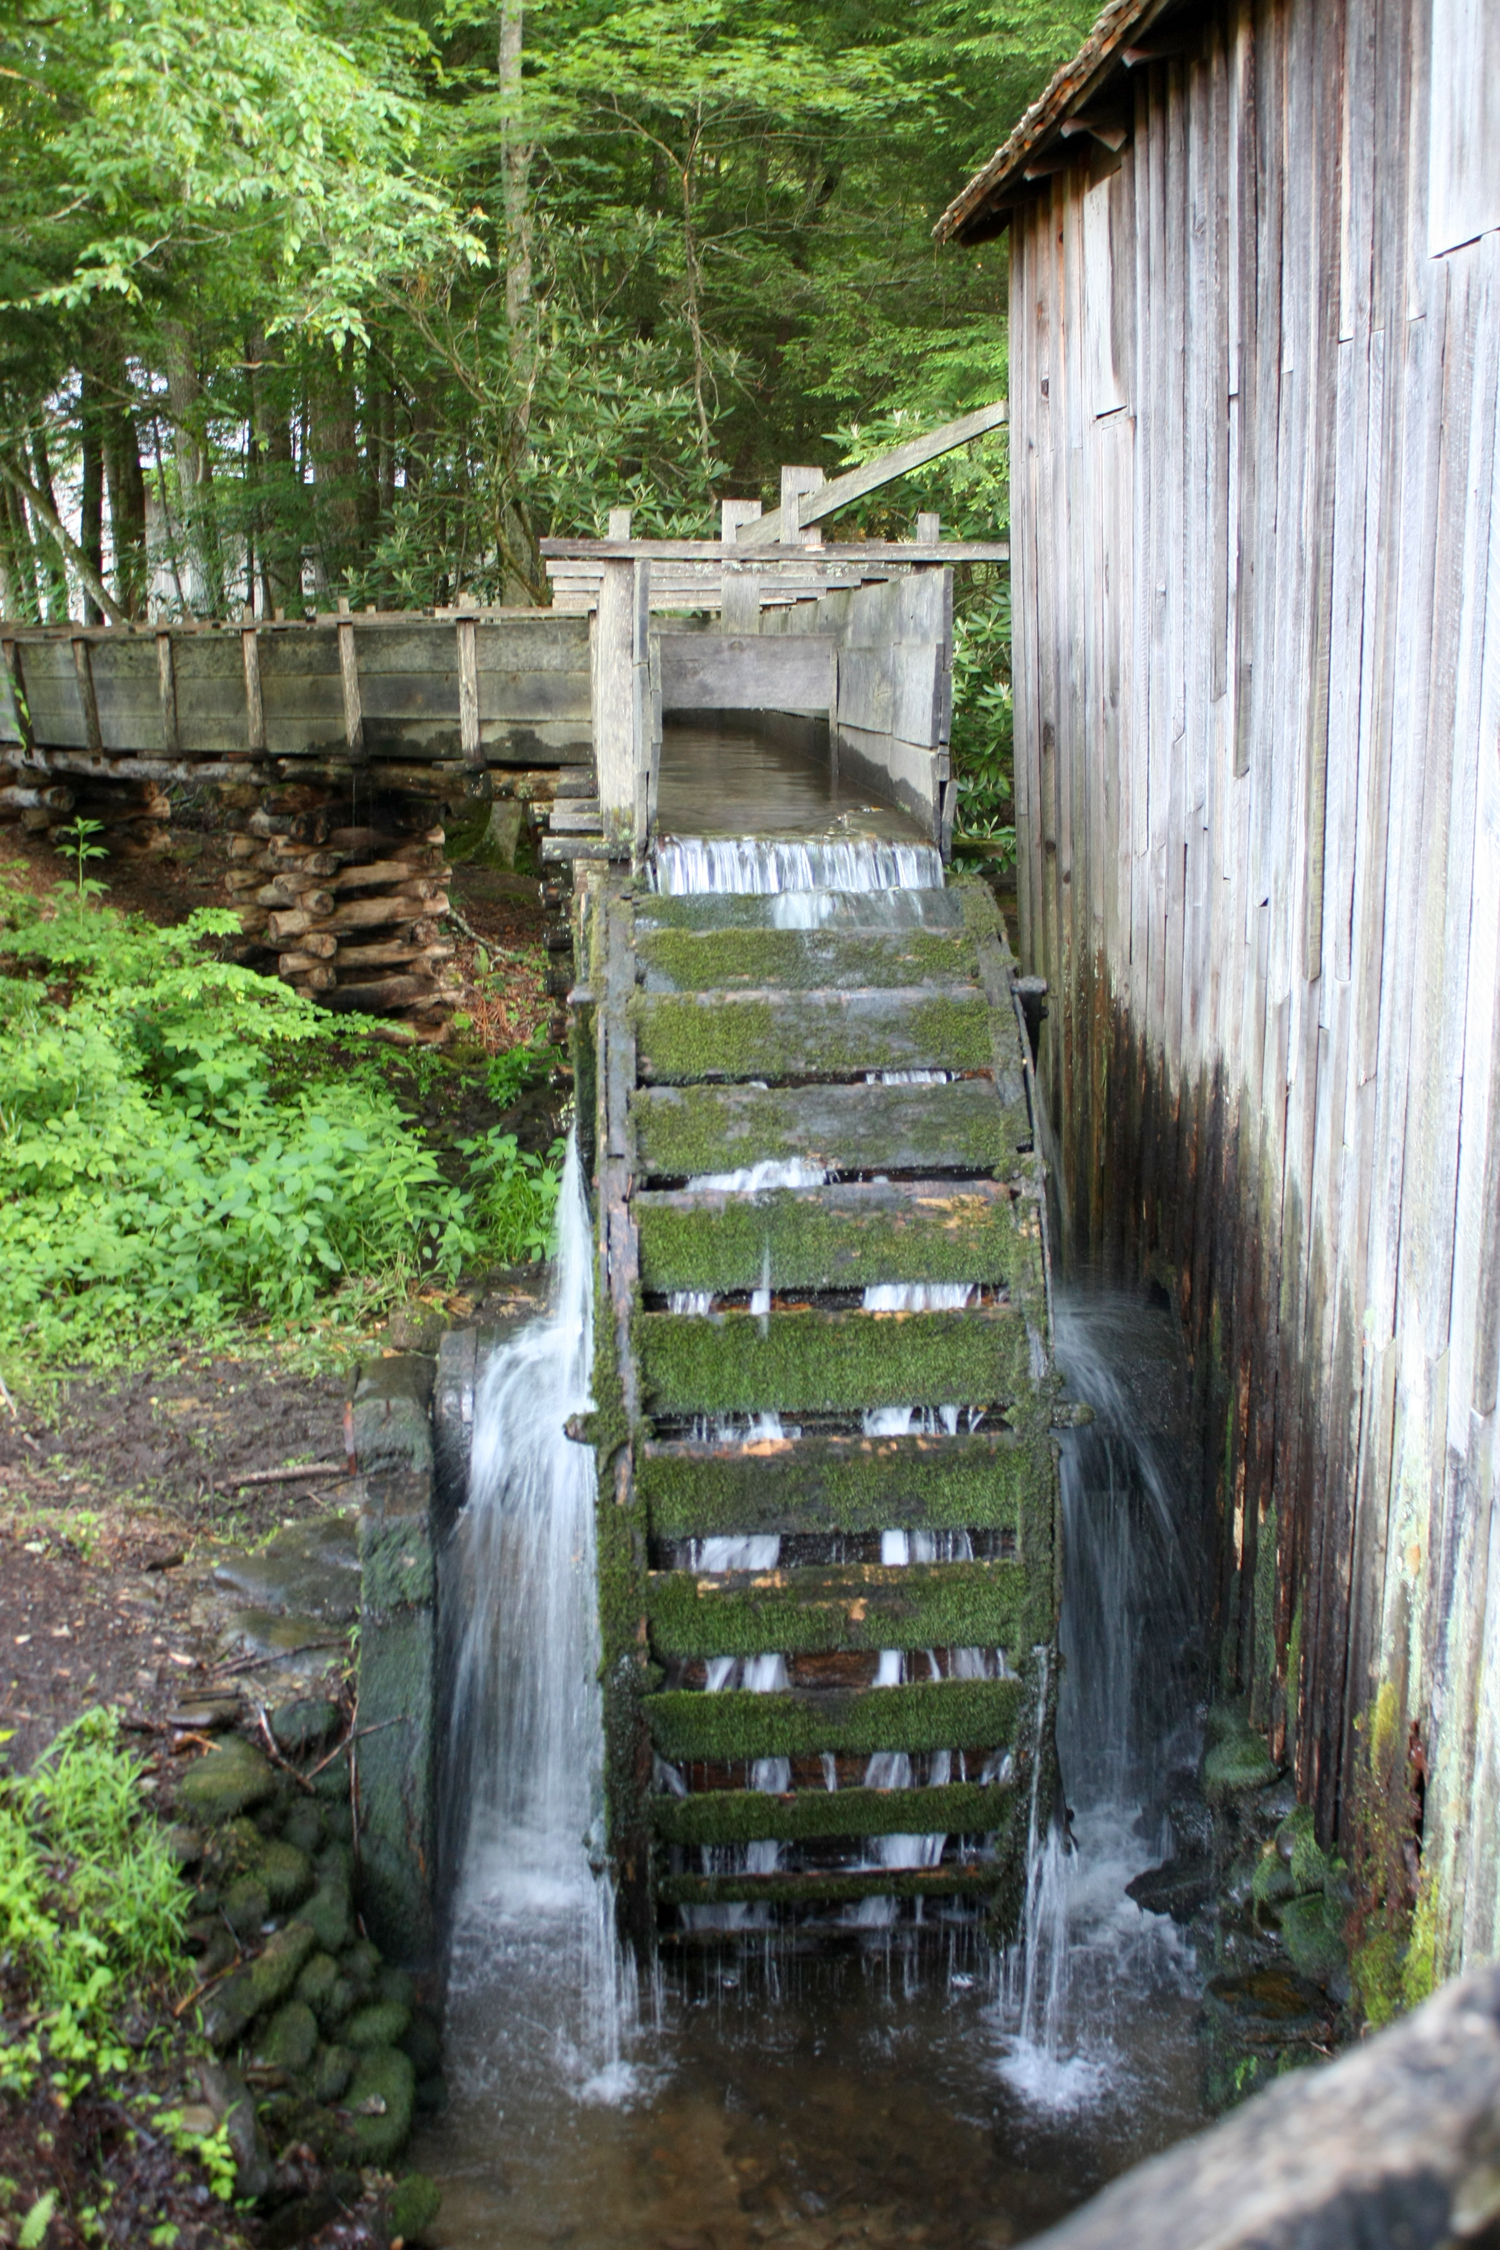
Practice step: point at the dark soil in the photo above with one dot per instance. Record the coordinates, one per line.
(109, 1486)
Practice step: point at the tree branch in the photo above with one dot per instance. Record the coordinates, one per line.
(92, 582)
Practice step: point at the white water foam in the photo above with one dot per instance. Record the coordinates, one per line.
(760, 866)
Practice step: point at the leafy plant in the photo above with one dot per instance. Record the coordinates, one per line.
(92, 1906)
(184, 1143)
(75, 843)
(508, 1075)
(516, 1196)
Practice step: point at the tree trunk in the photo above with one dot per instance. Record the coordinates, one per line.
(520, 558)
(91, 512)
(336, 478)
(49, 551)
(195, 496)
(127, 499)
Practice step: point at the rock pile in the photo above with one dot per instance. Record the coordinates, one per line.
(327, 2054)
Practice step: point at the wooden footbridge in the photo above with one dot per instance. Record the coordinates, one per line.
(824, 1391)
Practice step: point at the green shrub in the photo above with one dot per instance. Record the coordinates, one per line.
(92, 1906)
(184, 1143)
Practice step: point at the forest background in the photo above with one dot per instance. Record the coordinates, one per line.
(312, 295)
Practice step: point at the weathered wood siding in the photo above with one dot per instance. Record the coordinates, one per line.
(1257, 664)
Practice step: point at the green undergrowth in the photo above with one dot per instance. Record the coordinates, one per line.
(186, 1146)
(93, 1910)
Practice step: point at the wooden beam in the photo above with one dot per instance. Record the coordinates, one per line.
(255, 707)
(709, 550)
(1112, 131)
(83, 666)
(883, 470)
(354, 718)
(468, 693)
(166, 683)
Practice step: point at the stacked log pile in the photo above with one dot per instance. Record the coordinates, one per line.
(133, 816)
(351, 915)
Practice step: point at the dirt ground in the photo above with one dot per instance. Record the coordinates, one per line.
(116, 1492)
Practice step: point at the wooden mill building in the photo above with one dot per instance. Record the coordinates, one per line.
(1255, 346)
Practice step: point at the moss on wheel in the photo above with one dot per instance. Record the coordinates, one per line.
(719, 1035)
(739, 1362)
(970, 1482)
(743, 1816)
(929, 1715)
(857, 1606)
(801, 960)
(962, 1126)
(834, 1238)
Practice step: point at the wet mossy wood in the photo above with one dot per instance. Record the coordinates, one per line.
(844, 911)
(686, 961)
(847, 1606)
(974, 1481)
(743, 1816)
(807, 1361)
(684, 1037)
(971, 1878)
(834, 1237)
(964, 1127)
(928, 1715)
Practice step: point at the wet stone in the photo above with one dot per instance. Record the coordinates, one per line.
(333, 2068)
(305, 1642)
(289, 2039)
(304, 1828)
(254, 1989)
(227, 1781)
(1178, 1887)
(286, 1873)
(246, 1906)
(414, 2205)
(335, 1864)
(378, 2105)
(327, 1917)
(382, 2024)
(422, 2040)
(312, 1569)
(318, 1983)
(305, 1725)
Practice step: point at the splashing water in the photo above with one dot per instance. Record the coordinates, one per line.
(534, 1918)
(1089, 1957)
(758, 865)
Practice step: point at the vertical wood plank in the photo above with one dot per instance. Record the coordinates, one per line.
(468, 693)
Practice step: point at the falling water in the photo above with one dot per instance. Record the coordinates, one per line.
(1089, 1956)
(693, 864)
(534, 1914)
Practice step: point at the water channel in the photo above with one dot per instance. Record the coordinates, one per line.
(897, 2084)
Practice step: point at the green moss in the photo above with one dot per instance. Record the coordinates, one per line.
(748, 910)
(1375, 1969)
(681, 1037)
(969, 1880)
(801, 960)
(958, 1483)
(930, 1715)
(396, 1563)
(687, 1130)
(1238, 1759)
(742, 1816)
(738, 1362)
(1419, 1971)
(927, 1605)
(817, 1240)
(1312, 1932)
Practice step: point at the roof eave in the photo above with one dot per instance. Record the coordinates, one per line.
(982, 208)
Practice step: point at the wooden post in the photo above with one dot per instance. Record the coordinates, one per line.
(612, 664)
(468, 693)
(929, 530)
(166, 683)
(16, 693)
(794, 482)
(740, 600)
(255, 710)
(354, 719)
(619, 523)
(83, 666)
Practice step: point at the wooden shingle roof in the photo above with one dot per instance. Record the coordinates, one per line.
(982, 208)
